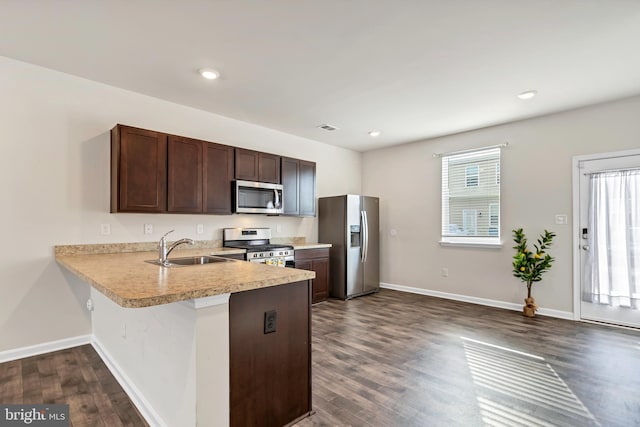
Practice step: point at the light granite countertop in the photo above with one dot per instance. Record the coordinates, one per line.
(302, 246)
(131, 282)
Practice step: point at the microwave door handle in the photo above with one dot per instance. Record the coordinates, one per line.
(276, 201)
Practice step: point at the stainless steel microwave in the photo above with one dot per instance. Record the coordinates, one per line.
(258, 197)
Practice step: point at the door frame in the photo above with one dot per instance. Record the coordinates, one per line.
(576, 242)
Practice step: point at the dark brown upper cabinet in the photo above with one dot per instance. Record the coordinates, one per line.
(184, 178)
(200, 176)
(307, 191)
(269, 168)
(298, 178)
(138, 170)
(155, 172)
(257, 166)
(290, 176)
(218, 177)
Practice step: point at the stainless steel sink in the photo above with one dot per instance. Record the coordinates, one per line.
(191, 260)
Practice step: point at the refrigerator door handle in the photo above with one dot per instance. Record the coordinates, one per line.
(363, 237)
(365, 223)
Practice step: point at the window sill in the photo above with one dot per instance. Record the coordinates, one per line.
(472, 243)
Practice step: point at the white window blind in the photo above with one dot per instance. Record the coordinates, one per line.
(471, 196)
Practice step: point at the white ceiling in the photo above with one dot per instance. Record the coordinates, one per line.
(413, 69)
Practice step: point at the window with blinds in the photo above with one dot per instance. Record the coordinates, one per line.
(471, 196)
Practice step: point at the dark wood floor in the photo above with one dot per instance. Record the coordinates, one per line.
(398, 359)
(76, 377)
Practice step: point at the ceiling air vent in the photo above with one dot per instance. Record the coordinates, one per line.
(327, 127)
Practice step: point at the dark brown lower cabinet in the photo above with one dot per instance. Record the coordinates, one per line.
(270, 373)
(316, 260)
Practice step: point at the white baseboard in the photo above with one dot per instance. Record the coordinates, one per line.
(475, 300)
(143, 406)
(47, 347)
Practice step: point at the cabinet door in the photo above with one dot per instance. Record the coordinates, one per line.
(268, 168)
(138, 170)
(321, 282)
(218, 177)
(305, 264)
(256, 166)
(316, 260)
(184, 175)
(289, 177)
(307, 189)
(246, 164)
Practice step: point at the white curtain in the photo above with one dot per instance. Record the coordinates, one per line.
(613, 260)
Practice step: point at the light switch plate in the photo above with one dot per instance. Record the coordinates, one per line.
(561, 219)
(200, 228)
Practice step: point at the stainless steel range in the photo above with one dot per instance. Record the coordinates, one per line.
(257, 242)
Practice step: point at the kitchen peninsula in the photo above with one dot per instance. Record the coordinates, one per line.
(219, 344)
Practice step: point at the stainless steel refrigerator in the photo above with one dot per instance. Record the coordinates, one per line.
(351, 224)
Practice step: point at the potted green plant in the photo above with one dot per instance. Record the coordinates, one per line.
(528, 265)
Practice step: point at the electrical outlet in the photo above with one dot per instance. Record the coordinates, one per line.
(278, 228)
(270, 321)
(105, 229)
(148, 229)
(90, 304)
(444, 272)
(124, 330)
(200, 228)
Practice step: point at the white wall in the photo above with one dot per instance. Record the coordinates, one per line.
(536, 185)
(173, 358)
(54, 131)
(154, 349)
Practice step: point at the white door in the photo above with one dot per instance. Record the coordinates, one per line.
(470, 222)
(609, 239)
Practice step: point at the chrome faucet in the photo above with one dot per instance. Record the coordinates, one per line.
(163, 251)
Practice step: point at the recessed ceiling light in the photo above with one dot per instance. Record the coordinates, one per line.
(528, 94)
(374, 133)
(209, 74)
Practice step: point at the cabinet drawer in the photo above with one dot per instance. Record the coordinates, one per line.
(311, 253)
